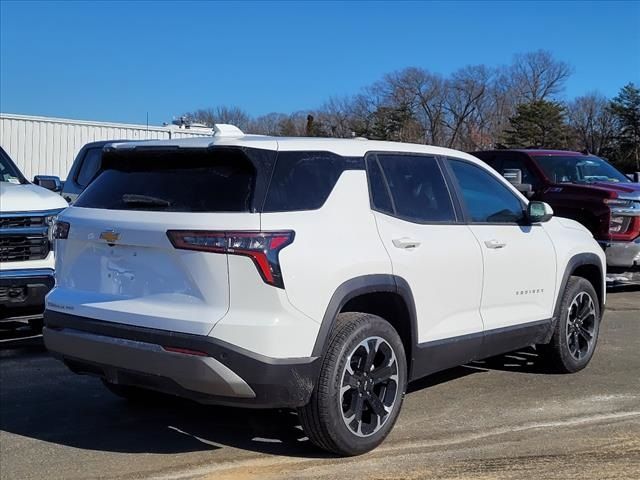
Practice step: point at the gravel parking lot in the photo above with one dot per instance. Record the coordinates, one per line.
(503, 418)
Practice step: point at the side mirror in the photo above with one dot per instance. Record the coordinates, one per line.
(49, 182)
(539, 212)
(514, 177)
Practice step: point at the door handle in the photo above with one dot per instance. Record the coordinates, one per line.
(494, 244)
(405, 242)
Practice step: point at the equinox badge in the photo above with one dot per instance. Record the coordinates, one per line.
(110, 236)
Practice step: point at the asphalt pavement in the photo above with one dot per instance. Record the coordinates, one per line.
(502, 418)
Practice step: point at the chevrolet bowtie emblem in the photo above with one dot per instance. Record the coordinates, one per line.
(110, 236)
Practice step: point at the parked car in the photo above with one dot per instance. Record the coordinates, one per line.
(585, 188)
(84, 169)
(317, 274)
(26, 257)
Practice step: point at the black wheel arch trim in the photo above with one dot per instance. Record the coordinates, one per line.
(362, 285)
(578, 260)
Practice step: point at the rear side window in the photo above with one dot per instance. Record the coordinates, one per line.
(89, 167)
(304, 180)
(419, 192)
(173, 181)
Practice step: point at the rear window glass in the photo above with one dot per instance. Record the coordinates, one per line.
(175, 181)
(304, 180)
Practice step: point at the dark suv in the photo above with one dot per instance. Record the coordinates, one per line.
(585, 188)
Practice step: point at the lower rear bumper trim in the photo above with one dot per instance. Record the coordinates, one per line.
(130, 355)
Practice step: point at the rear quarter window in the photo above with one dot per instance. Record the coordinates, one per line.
(304, 180)
(175, 181)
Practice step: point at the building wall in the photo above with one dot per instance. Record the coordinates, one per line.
(48, 146)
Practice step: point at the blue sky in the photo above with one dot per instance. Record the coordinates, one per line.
(116, 61)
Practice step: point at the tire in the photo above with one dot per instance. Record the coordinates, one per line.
(133, 394)
(358, 418)
(575, 334)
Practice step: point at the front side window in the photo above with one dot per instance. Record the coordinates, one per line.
(487, 200)
(578, 169)
(418, 190)
(90, 166)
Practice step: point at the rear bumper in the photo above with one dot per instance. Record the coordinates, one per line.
(22, 291)
(222, 374)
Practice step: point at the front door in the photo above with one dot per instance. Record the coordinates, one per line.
(519, 259)
(433, 252)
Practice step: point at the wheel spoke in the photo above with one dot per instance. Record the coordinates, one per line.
(377, 406)
(583, 306)
(369, 386)
(581, 325)
(382, 374)
(371, 355)
(350, 381)
(586, 334)
(574, 346)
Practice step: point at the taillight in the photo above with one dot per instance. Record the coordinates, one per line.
(262, 247)
(624, 222)
(619, 224)
(624, 228)
(61, 230)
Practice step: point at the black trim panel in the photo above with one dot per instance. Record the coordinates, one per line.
(278, 383)
(361, 286)
(577, 261)
(431, 357)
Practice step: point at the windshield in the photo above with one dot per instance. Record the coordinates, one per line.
(8, 170)
(578, 169)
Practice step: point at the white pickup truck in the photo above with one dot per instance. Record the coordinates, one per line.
(27, 212)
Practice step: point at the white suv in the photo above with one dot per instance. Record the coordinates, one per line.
(317, 274)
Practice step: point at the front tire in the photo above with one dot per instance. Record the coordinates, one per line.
(576, 330)
(361, 387)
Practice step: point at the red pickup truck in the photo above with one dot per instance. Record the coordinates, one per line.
(585, 188)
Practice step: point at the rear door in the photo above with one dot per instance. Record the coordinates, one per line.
(519, 259)
(118, 264)
(433, 251)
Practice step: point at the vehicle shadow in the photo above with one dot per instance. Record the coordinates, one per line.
(41, 400)
(524, 360)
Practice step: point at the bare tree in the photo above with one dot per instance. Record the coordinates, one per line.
(425, 93)
(464, 95)
(592, 122)
(538, 76)
(221, 114)
(469, 110)
(268, 124)
(337, 115)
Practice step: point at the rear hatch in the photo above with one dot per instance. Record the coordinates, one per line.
(118, 264)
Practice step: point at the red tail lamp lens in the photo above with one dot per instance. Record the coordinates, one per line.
(262, 247)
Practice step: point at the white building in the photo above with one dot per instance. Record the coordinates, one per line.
(48, 146)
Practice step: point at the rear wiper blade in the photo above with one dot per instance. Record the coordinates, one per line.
(132, 198)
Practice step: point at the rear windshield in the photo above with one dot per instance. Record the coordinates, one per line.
(173, 181)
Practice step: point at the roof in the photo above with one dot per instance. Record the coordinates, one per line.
(339, 146)
(536, 151)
